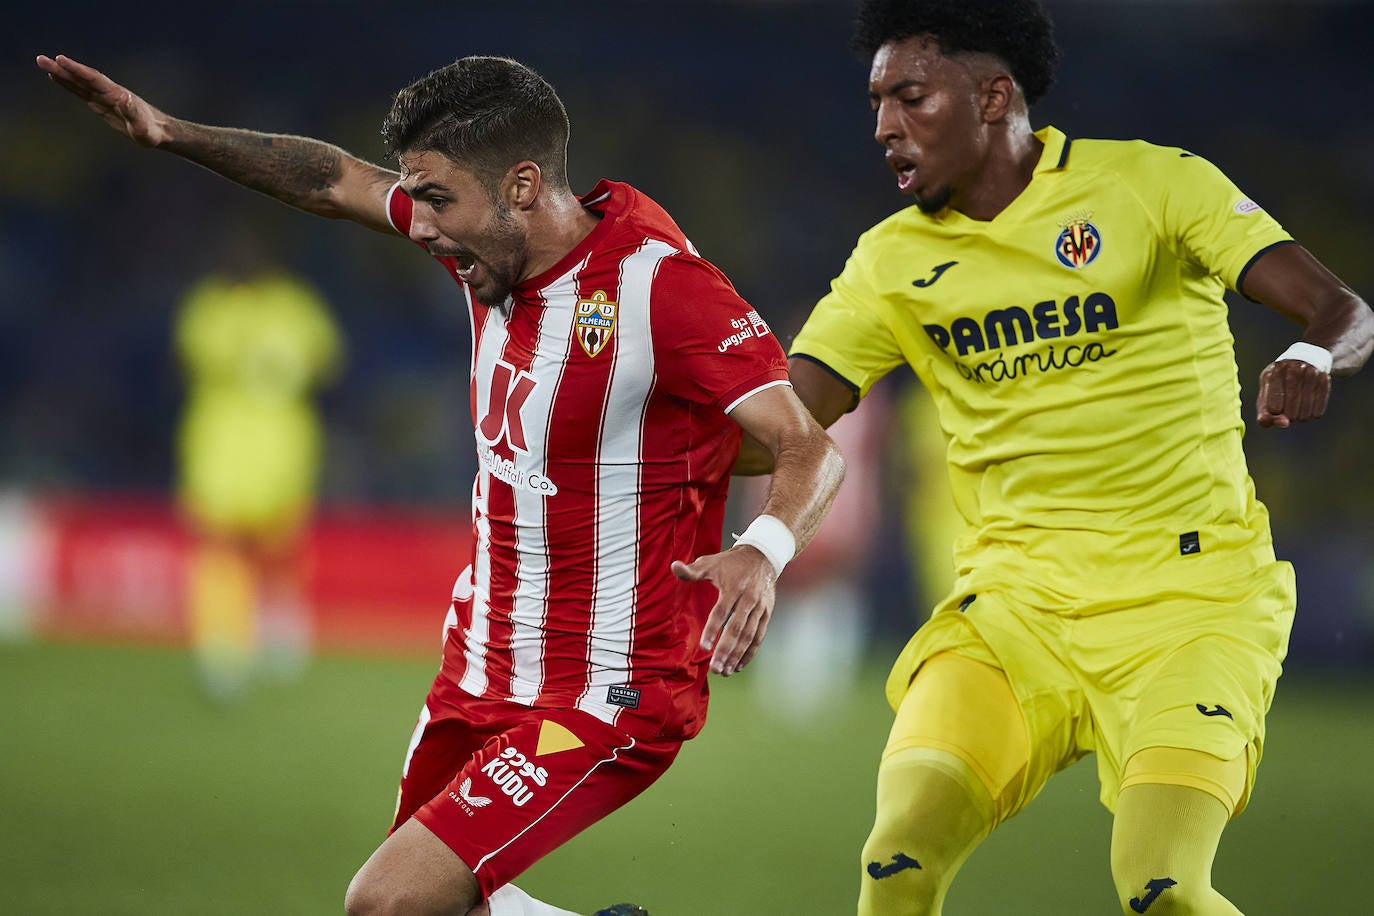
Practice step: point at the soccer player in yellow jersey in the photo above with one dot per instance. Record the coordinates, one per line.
(254, 349)
(1117, 588)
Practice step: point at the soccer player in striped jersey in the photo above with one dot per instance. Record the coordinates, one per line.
(613, 370)
(1117, 591)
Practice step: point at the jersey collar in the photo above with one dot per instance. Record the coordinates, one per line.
(1055, 155)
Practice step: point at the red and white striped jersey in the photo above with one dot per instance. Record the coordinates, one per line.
(600, 402)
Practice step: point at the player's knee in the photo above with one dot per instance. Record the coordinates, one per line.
(363, 897)
(932, 812)
(908, 848)
(898, 882)
(371, 894)
(1150, 878)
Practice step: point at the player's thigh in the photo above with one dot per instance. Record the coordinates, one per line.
(442, 743)
(965, 709)
(412, 872)
(956, 753)
(1195, 715)
(536, 785)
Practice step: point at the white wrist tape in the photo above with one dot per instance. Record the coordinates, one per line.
(1313, 355)
(771, 538)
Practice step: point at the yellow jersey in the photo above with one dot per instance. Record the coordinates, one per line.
(250, 440)
(1078, 352)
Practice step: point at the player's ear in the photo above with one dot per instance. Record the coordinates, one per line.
(998, 95)
(520, 187)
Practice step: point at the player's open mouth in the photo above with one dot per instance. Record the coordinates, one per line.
(464, 262)
(905, 169)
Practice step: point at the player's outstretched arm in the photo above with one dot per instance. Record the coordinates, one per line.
(309, 174)
(1290, 280)
(807, 473)
(824, 395)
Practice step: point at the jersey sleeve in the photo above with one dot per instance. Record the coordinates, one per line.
(711, 347)
(846, 331)
(1208, 220)
(399, 208)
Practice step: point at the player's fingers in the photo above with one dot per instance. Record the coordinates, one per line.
(80, 71)
(1262, 414)
(736, 638)
(78, 89)
(716, 621)
(1323, 397)
(87, 81)
(694, 572)
(1302, 399)
(1269, 403)
(1316, 387)
(1274, 393)
(754, 644)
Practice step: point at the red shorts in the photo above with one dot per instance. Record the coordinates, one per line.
(503, 784)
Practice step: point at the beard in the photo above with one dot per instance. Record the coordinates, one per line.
(508, 243)
(934, 201)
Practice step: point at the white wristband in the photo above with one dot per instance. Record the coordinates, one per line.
(1313, 355)
(771, 538)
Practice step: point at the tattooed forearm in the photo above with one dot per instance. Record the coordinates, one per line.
(296, 170)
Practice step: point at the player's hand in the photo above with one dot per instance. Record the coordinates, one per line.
(1291, 391)
(117, 106)
(745, 581)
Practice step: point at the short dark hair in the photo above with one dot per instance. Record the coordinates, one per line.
(1017, 31)
(484, 113)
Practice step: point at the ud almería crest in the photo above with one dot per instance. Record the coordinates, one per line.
(1079, 242)
(595, 322)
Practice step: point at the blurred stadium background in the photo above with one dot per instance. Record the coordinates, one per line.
(122, 790)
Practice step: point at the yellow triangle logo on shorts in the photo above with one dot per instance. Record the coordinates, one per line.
(554, 738)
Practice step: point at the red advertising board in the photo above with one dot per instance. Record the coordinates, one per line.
(116, 568)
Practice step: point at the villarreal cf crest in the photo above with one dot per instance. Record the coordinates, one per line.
(595, 322)
(1079, 242)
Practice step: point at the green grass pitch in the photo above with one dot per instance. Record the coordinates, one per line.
(122, 791)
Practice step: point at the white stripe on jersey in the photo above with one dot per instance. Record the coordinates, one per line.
(415, 737)
(749, 394)
(487, 347)
(530, 607)
(618, 483)
(387, 206)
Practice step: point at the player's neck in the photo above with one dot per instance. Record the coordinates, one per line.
(561, 224)
(1005, 174)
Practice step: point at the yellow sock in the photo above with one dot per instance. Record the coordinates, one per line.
(221, 605)
(1164, 839)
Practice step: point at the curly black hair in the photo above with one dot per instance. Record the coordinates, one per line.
(1018, 31)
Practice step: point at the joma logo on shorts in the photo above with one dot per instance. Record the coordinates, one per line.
(1008, 327)
(512, 772)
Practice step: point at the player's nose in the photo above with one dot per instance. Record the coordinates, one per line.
(888, 125)
(422, 228)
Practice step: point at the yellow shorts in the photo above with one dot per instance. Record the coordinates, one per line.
(1192, 668)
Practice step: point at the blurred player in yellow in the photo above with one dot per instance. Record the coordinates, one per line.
(1117, 589)
(253, 350)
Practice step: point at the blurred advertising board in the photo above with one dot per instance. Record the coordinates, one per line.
(116, 568)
